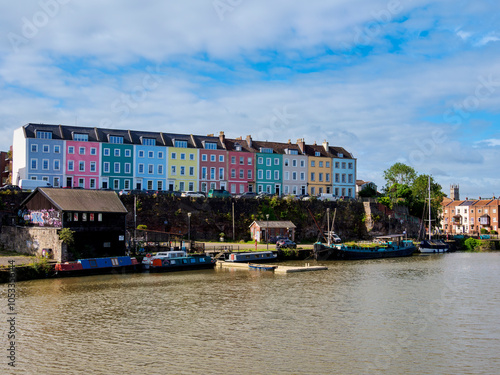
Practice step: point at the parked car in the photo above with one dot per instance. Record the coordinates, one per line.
(264, 195)
(305, 197)
(10, 187)
(327, 197)
(248, 194)
(286, 244)
(219, 193)
(193, 194)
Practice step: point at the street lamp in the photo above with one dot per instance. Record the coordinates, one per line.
(189, 226)
(267, 231)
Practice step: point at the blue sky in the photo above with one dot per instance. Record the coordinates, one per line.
(411, 81)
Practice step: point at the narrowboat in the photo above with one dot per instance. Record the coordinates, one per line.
(252, 257)
(433, 246)
(390, 246)
(98, 265)
(179, 261)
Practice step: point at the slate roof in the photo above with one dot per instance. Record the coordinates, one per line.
(82, 200)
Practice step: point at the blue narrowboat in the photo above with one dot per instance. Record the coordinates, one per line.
(180, 261)
(98, 265)
(252, 257)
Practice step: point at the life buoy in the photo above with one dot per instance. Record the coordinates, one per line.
(148, 255)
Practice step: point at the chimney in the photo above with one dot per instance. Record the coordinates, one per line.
(325, 145)
(301, 144)
(222, 137)
(249, 141)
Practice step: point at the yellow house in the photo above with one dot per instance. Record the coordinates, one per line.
(182, 164)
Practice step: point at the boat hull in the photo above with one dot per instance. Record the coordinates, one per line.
(432, 247)
(96, 266)
(341, 252)
(182, 264)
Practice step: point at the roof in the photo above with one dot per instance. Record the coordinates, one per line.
(274, 224)
(82, 200)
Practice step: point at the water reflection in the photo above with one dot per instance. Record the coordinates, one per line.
(415, 315)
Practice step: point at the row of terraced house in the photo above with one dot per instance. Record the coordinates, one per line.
(94, 158)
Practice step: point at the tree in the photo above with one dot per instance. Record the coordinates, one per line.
(401, 174)
(67, 236)
(369, 191)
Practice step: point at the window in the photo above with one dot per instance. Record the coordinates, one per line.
(173, 170)
(343, 179)
(183, 156)
(343, 165)
(294, 152)
(181, 144)
(212, 173)
(268, 175)
(191, 156)
(45, 148)
(181, 186)
(294, 162)
(233, 173)
(302, 176)
(350, 165)
(242, 160)
(233, 159)
(302, 163)
(260, 160)
(148, 142)
(160, 185)
(350, 178)
(116, 184)
(191, 187)
(191, 171)
(127, 168)
(34, 148)
(99, 217)
(210, 146)
(221, 158)
(81, 166)
(242, 173)
(57, 165)
(204, 157)
(320, 177)
(268, 162)
(56, 181)
(43, 135)
(140, 154)
(105, 167)
(260, 174)
(57, 149)
(337, 177)
(313, 163)
(92, 166)
(81, 183)
(312, 176)
(294, 176)
(337, 164)
(212, 158)
(317, 153)
(276, 175)
(71, 165)
(204, 173)
(106, 152)
(249, 161)
(173, 155)
(80, 137)
(93, 151)
(45, 164)
(151, 155)
(327, 164)
(140, 168)
(81, 150)
(151, 169)
(160, 170)
(160, 155)
(266, 150)
(287, 175)
(150, 185)
(115, 139)
(249, 174)
(327, 177)
(116, 152)
(221, 173)
(71, 150)
(183, 170)
(276, 161)
(321, 164)
(116, 167)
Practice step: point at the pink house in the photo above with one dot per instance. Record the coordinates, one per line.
(240, 165)
(212, 162)
(82, 164)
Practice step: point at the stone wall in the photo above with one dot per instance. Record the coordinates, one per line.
(32, 240)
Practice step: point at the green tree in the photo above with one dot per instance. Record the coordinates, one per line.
(67, 236)
(401, 174)
(369, 191)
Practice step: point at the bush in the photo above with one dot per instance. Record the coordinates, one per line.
(471, 244)
(484, 231)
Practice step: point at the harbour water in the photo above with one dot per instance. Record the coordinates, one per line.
(436, 314)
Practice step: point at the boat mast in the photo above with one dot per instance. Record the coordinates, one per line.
(430, 223)
(328, 225)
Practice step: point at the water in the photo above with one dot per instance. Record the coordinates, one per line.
(436, 314)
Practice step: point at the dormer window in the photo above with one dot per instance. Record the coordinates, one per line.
(266, 150)
(148, 141)
(80, 137)
(180, 144)
(210, 145)
(317, 153)
(115, 139)
(43, 135)
(237, 147)
(341, 155)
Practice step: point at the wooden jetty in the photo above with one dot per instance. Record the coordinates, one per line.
(277, 269)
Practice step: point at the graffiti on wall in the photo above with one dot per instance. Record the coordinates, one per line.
(43, 218)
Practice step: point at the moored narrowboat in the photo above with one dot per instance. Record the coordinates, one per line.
(98, 265)
(252, 257)
(180, 261)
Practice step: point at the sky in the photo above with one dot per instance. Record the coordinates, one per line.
(411, 81)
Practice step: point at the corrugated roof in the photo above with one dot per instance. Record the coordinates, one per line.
(83, 200)
(274, 224)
